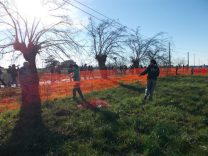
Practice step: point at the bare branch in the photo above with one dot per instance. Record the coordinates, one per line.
(106, 38)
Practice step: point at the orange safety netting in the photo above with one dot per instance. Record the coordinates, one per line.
(53, 86)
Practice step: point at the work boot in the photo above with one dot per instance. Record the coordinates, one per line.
(74, 98)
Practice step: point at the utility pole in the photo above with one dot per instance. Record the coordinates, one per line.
(169, 56)
(188, 60)
(194, 60)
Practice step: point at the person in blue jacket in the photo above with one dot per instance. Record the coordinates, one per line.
(153, 72)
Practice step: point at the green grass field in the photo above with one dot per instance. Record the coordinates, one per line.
(175, 123)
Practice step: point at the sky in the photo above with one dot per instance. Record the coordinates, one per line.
(184, 21)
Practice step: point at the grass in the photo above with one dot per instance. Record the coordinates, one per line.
(175, 123)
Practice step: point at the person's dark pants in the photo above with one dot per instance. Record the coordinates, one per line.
(77, 89)
(79, 92)
(14, 80)
(151, 84)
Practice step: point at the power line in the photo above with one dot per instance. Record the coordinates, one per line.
(84, 11)
(95, 12)
(194, 59)
(169, 56)
(91, 9)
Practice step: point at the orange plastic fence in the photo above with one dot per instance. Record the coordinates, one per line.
(53, 86)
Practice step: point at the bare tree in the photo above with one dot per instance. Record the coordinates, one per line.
(158, 48)
(106, 39)
(138, 47)
(51, 62)
(17, 34)
(144, 49)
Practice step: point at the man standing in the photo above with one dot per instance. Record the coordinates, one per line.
(14, 74)
(76, 77)
(153, 72)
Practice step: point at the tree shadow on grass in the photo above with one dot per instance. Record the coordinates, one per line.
(109, 135)
(196, 110)
(116, 140)
(30, 137)
(131, 87)
(107, 116)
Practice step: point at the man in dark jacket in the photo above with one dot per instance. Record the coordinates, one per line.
(14, 74)
(153, 72)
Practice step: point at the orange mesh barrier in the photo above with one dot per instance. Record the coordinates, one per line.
(53, 86)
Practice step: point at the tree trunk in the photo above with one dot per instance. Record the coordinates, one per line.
(30, 82)
(101, 63)
(136, 63)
